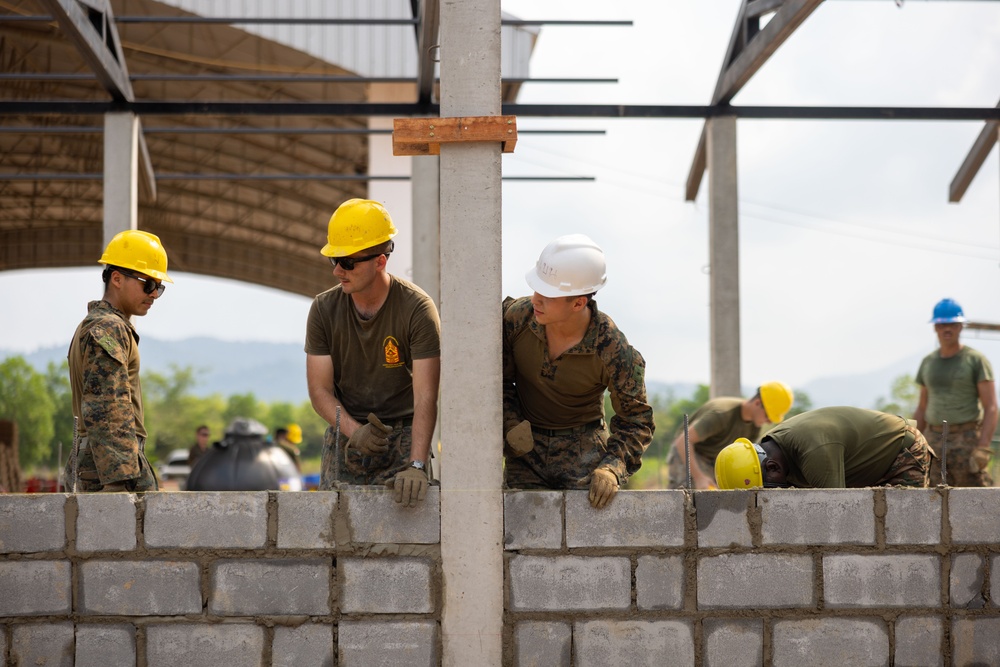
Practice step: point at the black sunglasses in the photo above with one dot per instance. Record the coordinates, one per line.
(148, 284)
(349, 262)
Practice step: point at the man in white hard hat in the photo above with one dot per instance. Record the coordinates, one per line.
(720, 422)
(956, 385)
(560, 354)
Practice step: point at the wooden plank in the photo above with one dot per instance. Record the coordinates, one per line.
(423, 136)
(980, 150)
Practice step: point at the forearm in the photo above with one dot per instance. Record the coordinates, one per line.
(424, 420)
(989, 426)
(628, 441)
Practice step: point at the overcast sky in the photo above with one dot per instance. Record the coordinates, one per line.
(846, 236)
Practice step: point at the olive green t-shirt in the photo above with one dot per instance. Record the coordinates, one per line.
(719, 423)
(373, 359)
(839, 447)
(953, 385)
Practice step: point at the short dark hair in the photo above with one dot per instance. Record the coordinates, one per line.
(278, 432)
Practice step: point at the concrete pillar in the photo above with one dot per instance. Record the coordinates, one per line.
(426, 197)
(471, 431)
(724, 256)
(121, 173)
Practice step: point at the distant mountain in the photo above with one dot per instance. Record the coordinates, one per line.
(271, 371)
(277, 372)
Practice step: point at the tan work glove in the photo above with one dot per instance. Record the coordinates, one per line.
(980, 459)
(372, 439)
(410, 486)
(603, 487)
(519, 439)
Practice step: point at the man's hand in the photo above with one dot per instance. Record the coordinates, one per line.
(519, 439)
(410, 486)
(603, 487)
(371, 439)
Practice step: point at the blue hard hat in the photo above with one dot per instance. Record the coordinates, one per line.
(947, 311)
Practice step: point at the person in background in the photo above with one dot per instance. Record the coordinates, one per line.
(288, 438)
(373, 349)
(957, 385)
(104, 368)
(718, 423)
(560, 354)
(201, 440)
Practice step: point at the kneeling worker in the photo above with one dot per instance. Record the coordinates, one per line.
(560, 354)
(832, 448)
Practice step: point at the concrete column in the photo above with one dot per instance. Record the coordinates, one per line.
(724, 256)
(426, 194)
(471, 431)
(121, 173)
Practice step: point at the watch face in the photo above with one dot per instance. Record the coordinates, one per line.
(419, 465)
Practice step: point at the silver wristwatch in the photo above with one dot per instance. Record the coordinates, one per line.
(419, 465)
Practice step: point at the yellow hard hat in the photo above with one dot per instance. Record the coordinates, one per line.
(138, 251)
(738, 466)
(355, 225)
(777, 399)
(294, 434)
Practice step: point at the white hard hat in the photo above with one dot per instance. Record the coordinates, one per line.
(571, 265)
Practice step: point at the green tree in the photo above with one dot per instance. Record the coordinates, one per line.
(244, 405)
(802, 403)
(903, 396)
(172, 413)
(24, 399)
(57, 385)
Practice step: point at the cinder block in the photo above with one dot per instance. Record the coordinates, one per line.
(918, 642)
(140, 588)
(966, 581)
(205, 645)
(3, 646)
(633, 643)
(754, 580)
(975, 641)
(722, 518)
(968, 510)
(532, 520)
(570, 583)
(49, 644)
(309, 645)
(659, 582)
(899, 580)
(380, 644)
(375, 517)
(265, 586)
(542, 644)
(220, 520)
(35, 588)
(105, 522)
(631, 519)
(912, 516)
(30, 523)
(829, 642)
(104, 645)
(995, 579)
(385, 586)
(306, 520)
(731, 642)
(831, 516)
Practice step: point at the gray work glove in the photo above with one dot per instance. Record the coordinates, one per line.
(603, 487)
(410, 486)
(372, 439)
(519, 439)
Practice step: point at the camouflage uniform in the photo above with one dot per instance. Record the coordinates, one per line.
(107, 399)
(912, 466)
(563, 398)
(968, 463)
(356, 469)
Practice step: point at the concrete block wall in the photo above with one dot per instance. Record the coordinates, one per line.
(771, 578)
(776, 578)
(202, 579)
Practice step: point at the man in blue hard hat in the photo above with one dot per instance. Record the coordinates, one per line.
(957, 386)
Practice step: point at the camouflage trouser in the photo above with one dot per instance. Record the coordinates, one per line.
(912, 466)
(968, 463)
(677, 470)
(89, 481)
(558, 461)
(356, 469)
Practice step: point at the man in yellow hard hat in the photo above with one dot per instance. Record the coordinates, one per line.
(719, 422)
(288, 438)
(373, 349)
(104, 368)
(560, 354)
(835, 447)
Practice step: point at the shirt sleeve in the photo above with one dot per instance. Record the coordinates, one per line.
(631, 428)
(317, 336)
(425, 336)
(106, 405)
(511, 403)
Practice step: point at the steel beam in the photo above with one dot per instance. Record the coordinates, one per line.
(974, 160)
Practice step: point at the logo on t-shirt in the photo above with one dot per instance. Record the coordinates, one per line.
(390, 347)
